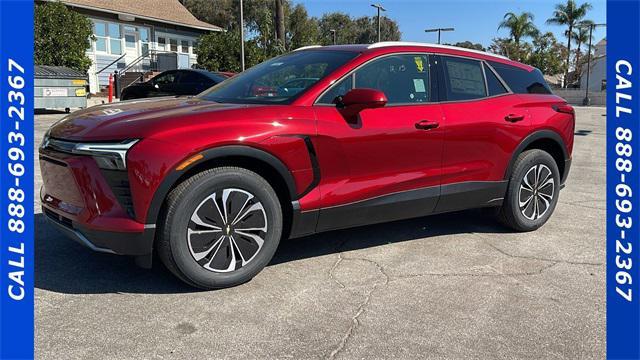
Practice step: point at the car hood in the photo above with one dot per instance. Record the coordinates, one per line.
(135, 118)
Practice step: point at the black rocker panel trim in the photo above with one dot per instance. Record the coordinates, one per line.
(472, 194)
(216, 153)
(402, 205)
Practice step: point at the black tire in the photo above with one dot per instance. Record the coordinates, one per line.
(523, 218)
(176, 248)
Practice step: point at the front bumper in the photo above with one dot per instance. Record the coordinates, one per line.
(111, 242)
(81, 201)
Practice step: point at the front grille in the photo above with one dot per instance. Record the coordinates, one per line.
(118, 181)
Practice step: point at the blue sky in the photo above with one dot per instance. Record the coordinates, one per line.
(474, 20)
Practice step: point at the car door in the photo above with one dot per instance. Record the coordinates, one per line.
(386, 164)
(164, 84)
(484, 125)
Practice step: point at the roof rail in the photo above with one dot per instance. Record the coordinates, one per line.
(408, 43)
(308, 47)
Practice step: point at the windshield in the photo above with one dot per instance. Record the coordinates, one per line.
(279, 80)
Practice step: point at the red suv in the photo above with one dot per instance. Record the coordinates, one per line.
(370, 133)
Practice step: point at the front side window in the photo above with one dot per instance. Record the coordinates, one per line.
(279, 80)
(404, 79)
(464, 79)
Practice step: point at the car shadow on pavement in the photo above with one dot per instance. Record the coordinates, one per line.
(64, 266)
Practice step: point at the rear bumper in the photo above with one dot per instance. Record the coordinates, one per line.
(112, 242)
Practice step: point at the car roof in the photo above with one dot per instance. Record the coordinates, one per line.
(391, 46)
(209, 74)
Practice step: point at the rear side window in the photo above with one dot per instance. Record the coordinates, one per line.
(522, 81)
(494, 85)
(463, 79)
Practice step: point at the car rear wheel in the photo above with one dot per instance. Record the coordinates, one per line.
(220, 228)
(533, 191)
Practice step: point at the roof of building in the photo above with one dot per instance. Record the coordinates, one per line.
(164, 11)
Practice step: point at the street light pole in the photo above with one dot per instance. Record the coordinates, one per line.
(439, 31)
(379, 7)
(241, 36)
(586, 101)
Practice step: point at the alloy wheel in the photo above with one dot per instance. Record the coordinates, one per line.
(227, 230)
(536, 193)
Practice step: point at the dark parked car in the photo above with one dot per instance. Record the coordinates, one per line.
(174, 82)
(370, 133)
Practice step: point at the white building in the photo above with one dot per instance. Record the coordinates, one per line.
(598, 69)
(138, 37)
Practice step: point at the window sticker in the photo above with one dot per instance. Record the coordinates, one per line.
(419, 63)
(418, 84)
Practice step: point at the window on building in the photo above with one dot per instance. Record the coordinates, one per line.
(144, 40)
(184, 46)
(115, 42)
(130, 41)
(173, 45)
(194, 46)
(100, 32)
(162, 43)
(463, 79)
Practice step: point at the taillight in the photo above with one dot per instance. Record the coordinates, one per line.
(564, 108)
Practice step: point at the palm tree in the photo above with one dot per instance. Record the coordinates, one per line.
(520, 26)
(581, 36)
(569, 14)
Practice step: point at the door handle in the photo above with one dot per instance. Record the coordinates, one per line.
(514, 118)
(427, 125)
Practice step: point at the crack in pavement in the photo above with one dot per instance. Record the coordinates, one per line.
(355, 319)
(355, 322)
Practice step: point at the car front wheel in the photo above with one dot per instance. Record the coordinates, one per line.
(220, 228)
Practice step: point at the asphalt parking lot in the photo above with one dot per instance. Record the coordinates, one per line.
(452, 286)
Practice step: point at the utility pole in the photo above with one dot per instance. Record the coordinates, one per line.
(333, 35)
(241, 36)
(586, 100)
(380, 8)
(439, 31)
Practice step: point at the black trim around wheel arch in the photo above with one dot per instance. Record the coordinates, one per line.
(215, 153)
(538, 135)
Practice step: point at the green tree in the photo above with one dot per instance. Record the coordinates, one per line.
(469, 45)
(519, 26)
(220, 51)
(507, 47)
(569, 14)
(62, 36)
(547, 54)
(303, 30)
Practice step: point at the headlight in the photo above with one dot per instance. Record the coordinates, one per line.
(112, 156)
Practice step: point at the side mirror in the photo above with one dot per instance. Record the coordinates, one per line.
(357, 100)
